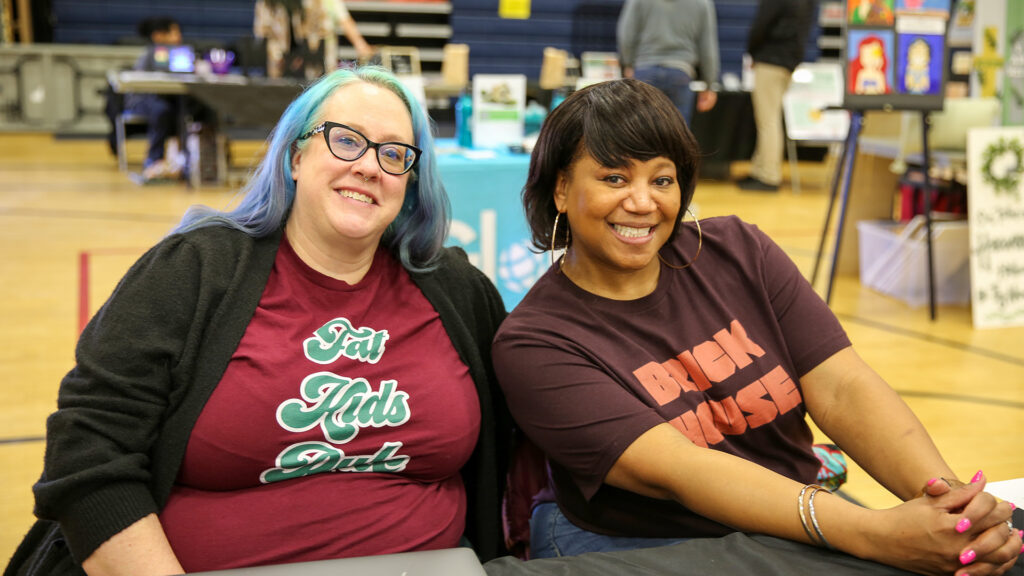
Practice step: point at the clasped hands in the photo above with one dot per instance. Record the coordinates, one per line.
(955, 528)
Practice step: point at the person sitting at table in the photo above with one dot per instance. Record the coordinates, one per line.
(305, 376)
(666, 369)
(160, 111)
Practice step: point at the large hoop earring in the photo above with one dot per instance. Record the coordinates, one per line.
(554, 234)
(554, 231)
(700, 244)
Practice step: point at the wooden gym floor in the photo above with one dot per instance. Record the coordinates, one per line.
(64, 203)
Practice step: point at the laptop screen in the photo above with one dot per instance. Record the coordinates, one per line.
(180, 58)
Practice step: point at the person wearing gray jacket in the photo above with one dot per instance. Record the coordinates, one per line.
(668, 44)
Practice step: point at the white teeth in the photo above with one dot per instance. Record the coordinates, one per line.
(630, 232)
(357, 196)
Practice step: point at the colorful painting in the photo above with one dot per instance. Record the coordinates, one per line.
(870, 12)
(919, 64)
(930, 6)
(869, 59)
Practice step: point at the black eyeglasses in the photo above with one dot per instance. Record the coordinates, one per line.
(349, 144)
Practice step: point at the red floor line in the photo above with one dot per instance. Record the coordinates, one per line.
(83, 290)
(84, 258)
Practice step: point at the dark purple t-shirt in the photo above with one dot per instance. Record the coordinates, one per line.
(716, 350)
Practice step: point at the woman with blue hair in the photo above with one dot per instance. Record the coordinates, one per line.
(319, 326)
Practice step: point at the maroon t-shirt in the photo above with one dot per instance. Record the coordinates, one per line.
(716, 350)
(338, 429)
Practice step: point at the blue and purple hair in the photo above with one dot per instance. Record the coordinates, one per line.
(417, 234)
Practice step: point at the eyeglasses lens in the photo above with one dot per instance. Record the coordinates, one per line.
(349, 145)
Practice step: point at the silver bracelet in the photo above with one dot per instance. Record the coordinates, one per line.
(800, 508)
(814, 519)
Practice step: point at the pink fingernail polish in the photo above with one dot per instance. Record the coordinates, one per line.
(1012, 506)
(963, 525)
(977, 477)
(967, 557)
(932, 481)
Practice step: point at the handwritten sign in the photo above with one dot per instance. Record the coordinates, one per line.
(996, 211)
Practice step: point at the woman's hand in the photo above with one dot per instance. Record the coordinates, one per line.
(953, 530)
(986, 518)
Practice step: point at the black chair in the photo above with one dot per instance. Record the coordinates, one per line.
(123, 124)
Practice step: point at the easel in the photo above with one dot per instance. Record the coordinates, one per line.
(844, 174)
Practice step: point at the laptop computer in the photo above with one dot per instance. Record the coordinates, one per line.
(174, 58)
(447, 562)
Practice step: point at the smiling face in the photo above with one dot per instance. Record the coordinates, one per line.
(619, 218)
(342, 208)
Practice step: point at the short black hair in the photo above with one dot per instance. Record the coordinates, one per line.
(148, 26)
(615, 122)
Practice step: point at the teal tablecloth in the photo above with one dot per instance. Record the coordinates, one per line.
(487, 216)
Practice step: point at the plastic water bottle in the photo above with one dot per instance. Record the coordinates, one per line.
(557, 97)
(533, 118)
(464, 120)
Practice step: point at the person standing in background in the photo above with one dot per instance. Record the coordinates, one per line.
(666, 43)
(776, 43)
(338, 19)
(324, 19)
(296, 28)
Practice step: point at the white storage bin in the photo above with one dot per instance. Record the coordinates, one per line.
(893, 260)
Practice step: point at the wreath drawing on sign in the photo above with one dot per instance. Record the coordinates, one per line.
(1009, 182)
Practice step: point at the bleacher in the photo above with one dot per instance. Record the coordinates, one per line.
(497, 46)
(500, 46)
(114, 21)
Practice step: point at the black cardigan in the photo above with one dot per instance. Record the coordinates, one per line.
(150, 358)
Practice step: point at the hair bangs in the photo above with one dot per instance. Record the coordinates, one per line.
(616, 134)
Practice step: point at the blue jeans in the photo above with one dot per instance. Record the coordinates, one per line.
(552, 535)
(160, 118)
(674, 83)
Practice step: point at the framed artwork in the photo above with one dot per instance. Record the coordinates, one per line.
(936, 6)
(919, 64)
(402, 60)
(895, 54)
(870, 12)
(870, 62)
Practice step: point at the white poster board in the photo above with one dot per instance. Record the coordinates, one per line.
(995, 189)
(815, 87)
(499, 109)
